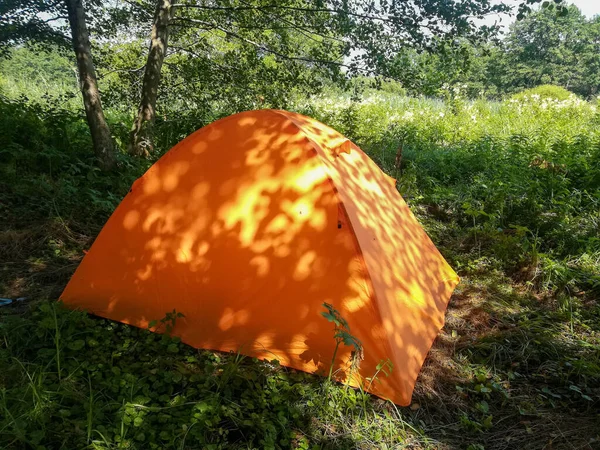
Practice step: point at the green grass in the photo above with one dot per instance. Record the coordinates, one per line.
(137, 388)
(510, 193)
(518, 180)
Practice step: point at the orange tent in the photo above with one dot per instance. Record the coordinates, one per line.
(248, 226)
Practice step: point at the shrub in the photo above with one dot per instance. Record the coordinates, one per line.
(545, 91)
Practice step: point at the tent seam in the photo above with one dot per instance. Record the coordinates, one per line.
(359, 251)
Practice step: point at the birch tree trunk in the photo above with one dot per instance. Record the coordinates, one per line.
(101, 138)
(141, 136)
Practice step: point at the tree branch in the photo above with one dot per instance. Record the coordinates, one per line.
(276, 53)
(302, 30)
(137, 69)
(289, 8)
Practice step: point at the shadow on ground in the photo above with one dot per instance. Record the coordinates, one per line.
(507, 371)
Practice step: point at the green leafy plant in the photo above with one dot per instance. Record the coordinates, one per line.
(386, 366)
(342, 335)
(168, 322)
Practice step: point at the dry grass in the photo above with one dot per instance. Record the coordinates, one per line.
(37, 261)
(483, 317)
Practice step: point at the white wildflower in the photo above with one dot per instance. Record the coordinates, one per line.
(408, 116)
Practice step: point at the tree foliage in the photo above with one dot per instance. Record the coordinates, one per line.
(549, 49)
(31, 20)
(545, 47)
(230, 55)
(251, 52)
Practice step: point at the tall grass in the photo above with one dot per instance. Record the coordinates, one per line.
(517, 180)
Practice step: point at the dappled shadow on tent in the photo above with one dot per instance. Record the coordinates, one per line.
(248, 226)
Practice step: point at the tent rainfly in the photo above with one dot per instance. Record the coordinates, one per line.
(247, 227)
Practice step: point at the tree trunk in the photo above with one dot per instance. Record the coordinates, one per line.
(101, 138)
(141, 136)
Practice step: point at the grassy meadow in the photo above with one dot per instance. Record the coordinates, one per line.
(508, 190)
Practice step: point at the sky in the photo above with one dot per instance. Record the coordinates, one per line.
(590, 8)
